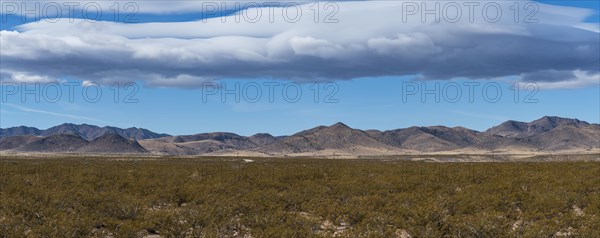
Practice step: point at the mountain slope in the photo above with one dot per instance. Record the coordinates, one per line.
(338, 136)
(225, 138)
(19, 131)
(88, 132)
(430, 139)
(262, 139)
(205, 143)
(114, 144)
(13, 142)
(55, 143)
(523, 129)
(568, 137)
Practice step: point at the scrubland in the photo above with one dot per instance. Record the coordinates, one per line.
(299, 197)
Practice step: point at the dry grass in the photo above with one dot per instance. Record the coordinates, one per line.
(295, 197)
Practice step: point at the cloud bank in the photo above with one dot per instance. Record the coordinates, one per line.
(362, 39)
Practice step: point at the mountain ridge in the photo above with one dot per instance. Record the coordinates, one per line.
(546, 134)
(88, 132)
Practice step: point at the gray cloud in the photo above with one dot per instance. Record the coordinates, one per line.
(369, 41)
(548, 76)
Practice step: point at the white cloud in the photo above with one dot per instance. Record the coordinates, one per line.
(315, 47)
(23, 77)
(27, 109)
(108, 7)
(87, 83)
(370, 40)
(406, 44)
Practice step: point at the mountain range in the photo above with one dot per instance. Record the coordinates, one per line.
(88, 132)
(547, 134)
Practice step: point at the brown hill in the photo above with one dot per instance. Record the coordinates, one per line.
(338, 136)
(205, 143)
(113, 144)
(71, 143)
(504, 144)
(55, 143)
(568, 137)
(429, 139)
(12, 142)
(226, 139)
(167, 148)
(19, 131)
(88, 132)
(413, 138)
(261, 139)
(523, 129)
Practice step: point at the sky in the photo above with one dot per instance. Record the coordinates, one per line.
(185, 67)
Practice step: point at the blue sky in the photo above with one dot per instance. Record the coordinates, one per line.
(363, 90)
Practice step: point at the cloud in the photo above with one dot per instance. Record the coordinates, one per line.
(414, 44)
(548, 76)
(574, 79)
(23, 77)
(26, 109)
(87, 83)
(315, 47)
(371, 39)
(48, 7)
